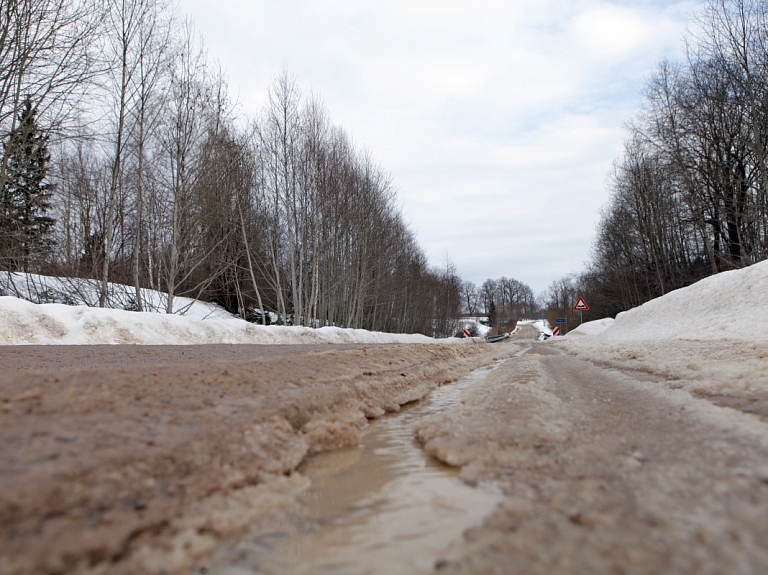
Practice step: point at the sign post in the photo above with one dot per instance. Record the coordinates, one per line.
(562, 320)
(581, 306)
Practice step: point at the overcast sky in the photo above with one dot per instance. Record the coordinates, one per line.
(498, 120)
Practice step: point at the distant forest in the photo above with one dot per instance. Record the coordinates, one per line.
(689, 194)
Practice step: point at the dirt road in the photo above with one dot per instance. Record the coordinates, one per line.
(605, 472)
(132, 459)
(36, 358)
(153, 467)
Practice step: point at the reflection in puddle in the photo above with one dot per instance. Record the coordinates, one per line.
(385, 507)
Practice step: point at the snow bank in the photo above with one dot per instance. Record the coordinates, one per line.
(479, 323)
(22, 322)
(86, 292)
(729, 305)
(705, 338)
(592, 327)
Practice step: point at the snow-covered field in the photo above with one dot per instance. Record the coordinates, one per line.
(710, 338)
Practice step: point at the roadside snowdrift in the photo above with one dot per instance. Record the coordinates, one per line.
(86, 292)
(37, 309)
(731, 305)
(708, 338)
(592, 327)
(22, 322)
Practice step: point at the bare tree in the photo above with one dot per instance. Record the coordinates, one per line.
(152, 56)
(470, 297)
(46, 55)
(124, 22)
(185, 125)
(689, 192)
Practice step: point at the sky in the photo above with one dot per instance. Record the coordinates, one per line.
(498, 120)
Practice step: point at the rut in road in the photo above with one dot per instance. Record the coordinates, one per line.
(111, 464)
(385, 507)
(604, 473)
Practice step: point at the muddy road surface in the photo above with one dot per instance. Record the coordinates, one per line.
(36, 358)
(132, 459)
(300, 461)
(604, 472)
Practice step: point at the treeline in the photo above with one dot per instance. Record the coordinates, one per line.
(504, 301)
(124, 161)
(689, 194)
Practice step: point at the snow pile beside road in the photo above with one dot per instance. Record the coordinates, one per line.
(592, 327)
(22, 322)
(86, 292)
(478, 323)
(705, 338)
(732, 305)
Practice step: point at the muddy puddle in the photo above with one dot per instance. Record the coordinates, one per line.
(385, 507)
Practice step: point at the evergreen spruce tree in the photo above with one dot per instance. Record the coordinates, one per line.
(493, 316)
(25, 227)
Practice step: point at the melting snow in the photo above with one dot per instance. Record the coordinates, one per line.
(731, 305)
(50, 321)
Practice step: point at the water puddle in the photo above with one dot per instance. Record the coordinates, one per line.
(385, 507)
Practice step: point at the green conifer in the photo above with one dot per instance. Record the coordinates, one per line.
(25, 199)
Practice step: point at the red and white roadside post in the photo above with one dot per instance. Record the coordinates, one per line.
(581, 306)
(467, 333)
(556, 331)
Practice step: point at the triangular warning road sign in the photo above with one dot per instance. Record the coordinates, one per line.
(581, 305)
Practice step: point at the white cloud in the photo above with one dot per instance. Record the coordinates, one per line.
(612, 31)
(488, 114)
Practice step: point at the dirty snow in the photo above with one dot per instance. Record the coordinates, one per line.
(603, 472)
(636, 468)
(184, 454)
(542, 442)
